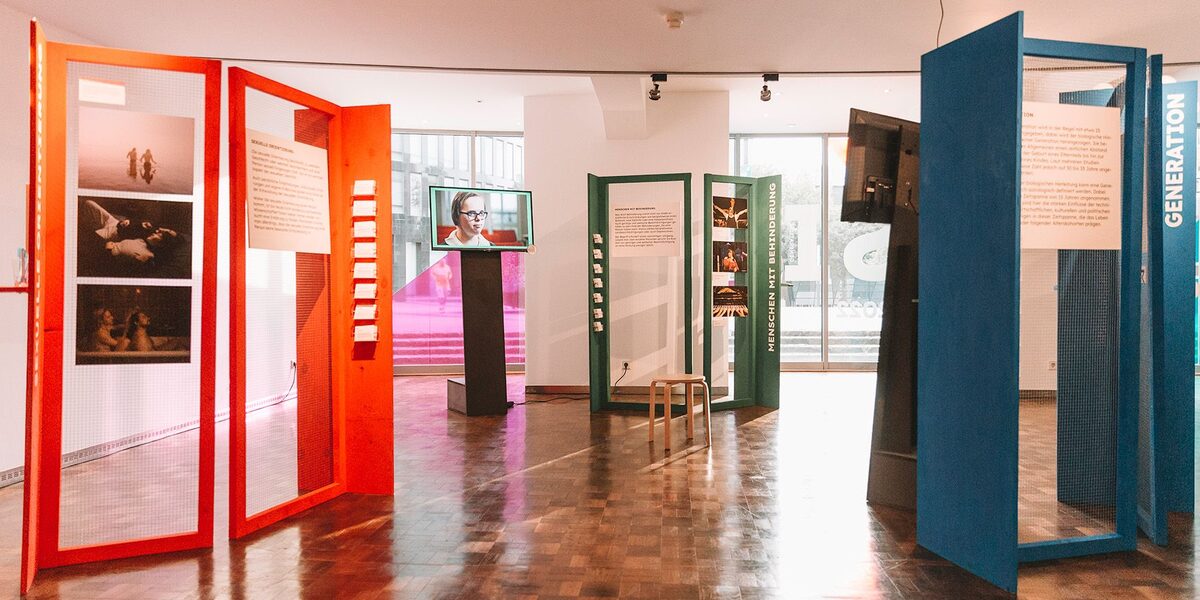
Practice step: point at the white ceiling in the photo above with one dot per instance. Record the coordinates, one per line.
(623, 35)
(746, 36)
(492, 102)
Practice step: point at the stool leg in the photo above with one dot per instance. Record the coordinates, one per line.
(653, 387)
(668, 389)
(690, 406)
(707, 416)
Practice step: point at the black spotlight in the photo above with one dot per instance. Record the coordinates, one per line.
(657, 78)
(765, 94)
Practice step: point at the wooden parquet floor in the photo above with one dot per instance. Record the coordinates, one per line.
(552, 502)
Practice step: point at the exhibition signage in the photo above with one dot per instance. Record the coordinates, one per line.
(1070, 177)
(287, 195)
(641, 227)
(1173, 297)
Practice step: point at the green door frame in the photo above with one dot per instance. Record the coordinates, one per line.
(599, 347)
(757, 337)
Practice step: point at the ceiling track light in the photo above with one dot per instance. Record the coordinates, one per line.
(655, 93)
(765, 94)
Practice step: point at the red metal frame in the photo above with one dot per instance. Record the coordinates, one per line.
(43, 458)
(241, 524)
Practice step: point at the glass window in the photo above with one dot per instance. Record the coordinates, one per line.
(427, 296)
(798, 160)
(833, 272)
(857, 265)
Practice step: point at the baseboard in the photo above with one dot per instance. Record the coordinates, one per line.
(17, 474)
(415, 370)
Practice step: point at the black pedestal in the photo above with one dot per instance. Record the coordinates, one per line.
(892, 476)
(483, 334)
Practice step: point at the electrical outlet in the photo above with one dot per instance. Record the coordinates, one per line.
(625, 365)
(1053, 365)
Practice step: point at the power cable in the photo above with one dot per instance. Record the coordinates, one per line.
(938, 40)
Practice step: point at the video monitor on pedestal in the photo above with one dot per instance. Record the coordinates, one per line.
(481, 223)
(480, 219)
(872, 166)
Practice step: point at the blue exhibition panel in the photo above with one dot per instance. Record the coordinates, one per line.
(971, 428)
(1167, 450)
(967, 356)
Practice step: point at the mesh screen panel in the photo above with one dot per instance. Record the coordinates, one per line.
(131, 366)
(1069, 343)
(289, 434)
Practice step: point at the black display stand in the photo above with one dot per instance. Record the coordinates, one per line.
(486, 390)
(892, 479)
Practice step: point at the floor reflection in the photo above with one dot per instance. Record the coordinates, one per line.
(551, 501)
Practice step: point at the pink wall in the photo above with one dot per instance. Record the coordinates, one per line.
(427, 314)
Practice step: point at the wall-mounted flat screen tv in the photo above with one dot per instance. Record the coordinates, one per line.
(872, 166)
(480, 219)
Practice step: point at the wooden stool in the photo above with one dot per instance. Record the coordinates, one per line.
(688, 381)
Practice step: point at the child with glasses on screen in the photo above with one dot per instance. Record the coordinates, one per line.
(468, 211)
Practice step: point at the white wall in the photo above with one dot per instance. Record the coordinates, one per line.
(564, 141)
(14, 173)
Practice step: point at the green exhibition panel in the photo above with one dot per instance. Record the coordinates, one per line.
(742, 283)
(750, 300)
(600, 248)
(1029, 296)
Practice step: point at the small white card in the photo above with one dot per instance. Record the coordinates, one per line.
(597, 253)
(597, 326)
(364, 229)
(363, 208)
(364, 250)
(597, 269)
(597, 282)
(365, 312)
(364, 291)
(598, 298)
(366, 333)
(597, 238)
(598, 313)
(364, 187)
(365, 270)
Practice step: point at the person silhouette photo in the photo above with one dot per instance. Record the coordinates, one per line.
(132, 155)
(149, 166)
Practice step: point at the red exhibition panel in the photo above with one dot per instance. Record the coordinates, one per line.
(290, 452)
(123, 202)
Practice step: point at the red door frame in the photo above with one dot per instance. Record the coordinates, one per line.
(241, 524)
(47, 198)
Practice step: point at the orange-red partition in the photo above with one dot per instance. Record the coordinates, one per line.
(48, 237)
(342, 445)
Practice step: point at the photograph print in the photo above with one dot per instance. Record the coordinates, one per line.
(730, 257)
(731, 301)
(127, 151)
(731, 213)
(124, 237)
(129, 324)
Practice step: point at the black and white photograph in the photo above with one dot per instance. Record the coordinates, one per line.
(730, 257)
(731, 213)
(127, 151)
(129, 324)
(124, 237)
(731, 301)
